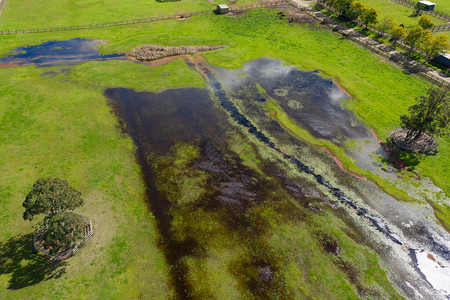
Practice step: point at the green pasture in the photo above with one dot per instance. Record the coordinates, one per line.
(402, 14)
(23, 14)
(442, 5)
(66, 130)
(62, 126)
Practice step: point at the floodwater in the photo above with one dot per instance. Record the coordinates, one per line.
(306, 97)
(414, 247)
(66, 52)
(157, 121)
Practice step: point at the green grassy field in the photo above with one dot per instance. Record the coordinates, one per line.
(67, 130)
(23, 14)
(402, 14)
(442, 5)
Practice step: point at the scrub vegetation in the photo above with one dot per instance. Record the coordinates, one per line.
(67, 130)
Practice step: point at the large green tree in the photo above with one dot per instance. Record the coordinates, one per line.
(386, 24)
(342, 6)
(355, 10)
(397, 33)
(369, 16)
(432, 46)
(414, 37)
(425, 22)
(54, 198)
(431, 115)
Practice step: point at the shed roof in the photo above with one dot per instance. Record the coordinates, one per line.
(446, 55)
(222, 6)
(427, 2)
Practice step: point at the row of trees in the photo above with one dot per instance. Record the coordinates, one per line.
(353, 10)
(419, 37)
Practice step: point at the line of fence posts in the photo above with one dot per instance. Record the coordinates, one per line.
(440, 28)
(234, 8)
(436, 13)
(437, 80)
(134, 21)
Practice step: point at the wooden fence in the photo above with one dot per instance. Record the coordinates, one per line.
(436, 13)
(2, 2)
(405, 65)
(143, 20)
(89, 231)
(440, 28)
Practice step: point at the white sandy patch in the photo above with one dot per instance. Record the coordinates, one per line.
(437, 275)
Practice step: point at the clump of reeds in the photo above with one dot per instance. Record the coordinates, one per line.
(153, 52)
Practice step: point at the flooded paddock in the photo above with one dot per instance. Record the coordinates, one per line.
(192, 171)
(227, 184)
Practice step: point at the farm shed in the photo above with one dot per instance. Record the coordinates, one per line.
(426, 5)
(222, 9)
(443, 59)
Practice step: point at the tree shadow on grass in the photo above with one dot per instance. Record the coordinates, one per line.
(412, 159)
(26, 266)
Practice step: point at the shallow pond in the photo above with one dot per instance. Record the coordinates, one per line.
(67, 52)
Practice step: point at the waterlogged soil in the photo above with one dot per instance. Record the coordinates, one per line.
(180, 134)
(68, 52)
(207, 199)
(166, 125)
(310, 100)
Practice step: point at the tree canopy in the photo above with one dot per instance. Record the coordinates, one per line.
(386, 24)
(414, 37)
(51, 196)
(397, 33)
(54, 198)
(432, 46)
(431, 115)
(369, 16)
(425, 22)
(355, 10)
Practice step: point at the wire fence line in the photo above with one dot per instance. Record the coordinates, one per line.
(88, 232)
(397, 57)
(436, 13)
(2, 2)
(137, 21)
(440, 28)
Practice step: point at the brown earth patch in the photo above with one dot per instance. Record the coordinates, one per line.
(9, 65)
(155, 52)
(392, 154)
